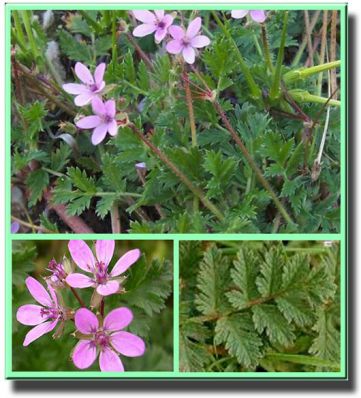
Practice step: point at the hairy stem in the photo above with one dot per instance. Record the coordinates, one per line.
(115, 219)
(194, 189)
(266, 49)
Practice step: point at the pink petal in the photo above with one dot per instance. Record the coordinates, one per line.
(159, 14)
(108, 288)
(83, 73)
(30, 314)
(112, 128)
(79, 281)
(82, 255)
(160, 35)
(84, 354)
(38, 291)
(89, 122)
(194, 27)
(168, 20)
(144, 30)
(258, 16)
(128, 344)
(85, 321)
(128, 259)
(118, 319)
(237, 14)
(189, 54)
(200, 41)
(99, 73)
(176, 32)
(74, 88)
(83, 99)
(174, 47)
(98, 106)
(144, 16)
(109, 361)
(110, 108)
(39, 331)
(104, 250)
(99, 133)
(53, 294)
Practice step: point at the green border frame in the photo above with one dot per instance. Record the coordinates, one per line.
(175, 374)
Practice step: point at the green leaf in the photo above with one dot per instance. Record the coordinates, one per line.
(212, 280)
(80, 180)
(104, 205)
(270, 281)
(74, 49)
(60, 157)
(37, 182)
(240, 339)
(244, 274)
(267, 317)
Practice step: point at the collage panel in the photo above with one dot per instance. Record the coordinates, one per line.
(126, 126)
(99, 305)
(176, 203)
(260, 306)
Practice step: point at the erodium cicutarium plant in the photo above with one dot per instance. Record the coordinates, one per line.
(99, 334)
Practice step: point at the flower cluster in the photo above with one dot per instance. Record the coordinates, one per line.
(90, 91)
(98, 334)
(182, 41)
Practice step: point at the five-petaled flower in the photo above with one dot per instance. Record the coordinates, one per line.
(106, 339)
(92, 85)
(45, 316)
(105, 283)
(157, 22)
(103, 121)
(186, 42)
(257, 15)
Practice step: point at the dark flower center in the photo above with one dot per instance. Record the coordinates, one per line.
(57, 270)
(93, 87)
(101, 275)
(49, 313)
(101, 339)
(108, 118)
(161, 25)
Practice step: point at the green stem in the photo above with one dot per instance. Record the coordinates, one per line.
(254, 89)
(304, 73)
(305, 96)
(276, 85)
(163, 157)
(302, 360)
(26, 14)
(18, 31)
(114, 42)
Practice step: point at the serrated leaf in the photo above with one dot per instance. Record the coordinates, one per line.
(37, 182)
(240, 339)
(212, 279)
(267, 317)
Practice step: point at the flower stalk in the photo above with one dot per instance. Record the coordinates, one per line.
(304, 73)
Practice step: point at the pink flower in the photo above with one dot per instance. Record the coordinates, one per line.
(186, 42)
(45, 316)
(257, 15)
(91, 87)
(157, 22)
(15, 226)
(104, 282)
(58, 274)
(106, 339)
(103, 121)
